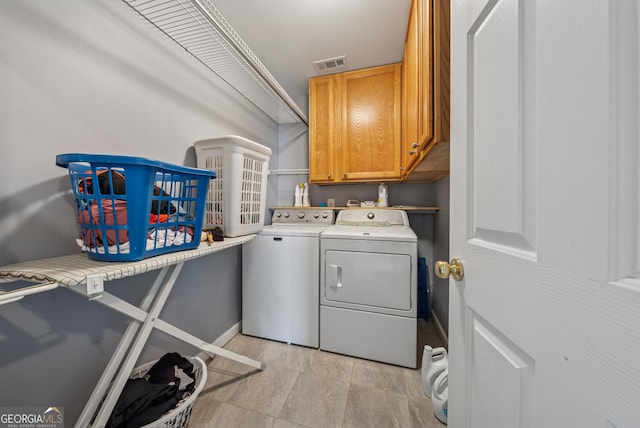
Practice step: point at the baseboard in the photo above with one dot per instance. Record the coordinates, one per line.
(438, 325)
(225, 337)
(222, 340)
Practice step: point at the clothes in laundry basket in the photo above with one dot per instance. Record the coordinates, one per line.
(141, 403)
(168, 369)
(119, 188)
(146, 399)
(115, 210)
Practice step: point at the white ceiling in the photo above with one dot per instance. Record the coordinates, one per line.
(289, 35)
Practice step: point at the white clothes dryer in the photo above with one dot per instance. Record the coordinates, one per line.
(281, 277)
(368, 282)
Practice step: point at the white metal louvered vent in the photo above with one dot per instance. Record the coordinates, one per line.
(331, 64)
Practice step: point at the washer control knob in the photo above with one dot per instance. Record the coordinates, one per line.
(286, 215)
(316, 215)
(278, 214)
(325, 215)
(370, 216)
(300, 215)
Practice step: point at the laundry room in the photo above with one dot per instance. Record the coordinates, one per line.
(98, 78)
(284, 256)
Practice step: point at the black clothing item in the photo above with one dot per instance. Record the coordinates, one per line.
(217, 234)
(164, 371)
(146, 399)
(141, 403)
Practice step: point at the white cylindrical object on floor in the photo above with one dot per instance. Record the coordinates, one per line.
(434, 362)
(440, 396)
(426, 363)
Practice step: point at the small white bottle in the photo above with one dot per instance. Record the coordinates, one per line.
(306, 201)
(383, 195)
(297, 201)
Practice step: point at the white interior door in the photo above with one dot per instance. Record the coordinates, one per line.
(545, 326)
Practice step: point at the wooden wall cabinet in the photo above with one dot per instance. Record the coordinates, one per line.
(323, 128)
(425, 89)
(355, 126)
(388, 123)
(414, 80)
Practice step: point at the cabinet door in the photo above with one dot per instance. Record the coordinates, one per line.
(323, 128)
(371, 145)
(426, 75)
(433, 81)
(410, 90)
(441, 86)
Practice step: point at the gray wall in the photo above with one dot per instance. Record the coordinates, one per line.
(440, 292)
(78, 76)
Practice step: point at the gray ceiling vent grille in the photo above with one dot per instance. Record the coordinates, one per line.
(332, 64)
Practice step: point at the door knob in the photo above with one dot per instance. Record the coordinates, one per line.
(444, 269)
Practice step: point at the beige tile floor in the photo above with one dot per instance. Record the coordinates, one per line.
(305, 387)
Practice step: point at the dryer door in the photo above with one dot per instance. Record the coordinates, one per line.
(378, 282)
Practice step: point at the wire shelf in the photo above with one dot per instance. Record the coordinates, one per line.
(300, 171)
(200, 29)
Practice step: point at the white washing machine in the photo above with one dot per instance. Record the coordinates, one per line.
(368, 281)
(281, 275)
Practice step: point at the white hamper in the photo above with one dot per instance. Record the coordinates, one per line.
(237, 197)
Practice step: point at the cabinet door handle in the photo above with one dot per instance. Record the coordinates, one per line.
(412, 152)
(414, 145)
(344, 175)
(329, 176)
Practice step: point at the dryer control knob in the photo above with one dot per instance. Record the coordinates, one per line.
(286, 215)
(370, 216)
(300, 215)
(316, 215)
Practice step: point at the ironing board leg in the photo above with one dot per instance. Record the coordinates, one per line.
(144, 319)
(206, 347)
(136, 347)
(116, 359)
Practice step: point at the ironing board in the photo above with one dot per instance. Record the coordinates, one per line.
(86, 277)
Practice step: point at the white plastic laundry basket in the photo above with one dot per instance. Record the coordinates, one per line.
(237, 197)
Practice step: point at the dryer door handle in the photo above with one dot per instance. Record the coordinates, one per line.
(338, 270)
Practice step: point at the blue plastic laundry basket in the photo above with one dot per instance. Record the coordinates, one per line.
(131, 208)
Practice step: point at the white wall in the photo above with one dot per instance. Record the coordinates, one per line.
(78, 76)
